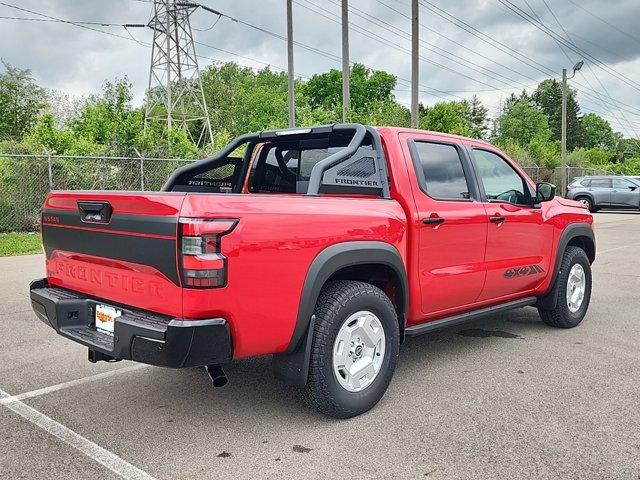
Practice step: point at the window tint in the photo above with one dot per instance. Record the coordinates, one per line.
(600, 183)
(501, 182)
(622, 183)
(585, 183)
(442, 169)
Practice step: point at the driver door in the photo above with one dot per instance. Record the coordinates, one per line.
(519, 241)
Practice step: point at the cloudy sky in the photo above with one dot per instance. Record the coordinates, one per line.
(487, 47)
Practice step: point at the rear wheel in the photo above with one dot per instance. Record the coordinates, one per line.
(354, 349)
(586, 201)
(574, 290)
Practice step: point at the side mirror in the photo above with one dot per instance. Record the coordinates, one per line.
(632, 188)
(545, 192)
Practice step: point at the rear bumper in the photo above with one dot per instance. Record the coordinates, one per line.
(138, 335)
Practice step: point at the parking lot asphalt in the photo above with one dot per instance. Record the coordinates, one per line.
(505, 397)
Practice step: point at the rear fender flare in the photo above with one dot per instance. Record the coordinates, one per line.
(292, 365)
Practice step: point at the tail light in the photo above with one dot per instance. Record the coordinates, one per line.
(203, 264)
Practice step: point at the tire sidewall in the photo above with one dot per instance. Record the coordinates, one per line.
(575, 256)
(367, 398)
(589, 203)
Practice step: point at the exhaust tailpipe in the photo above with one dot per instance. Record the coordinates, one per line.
(217, 375)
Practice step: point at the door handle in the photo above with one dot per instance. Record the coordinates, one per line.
(497, 219)
(433, 220)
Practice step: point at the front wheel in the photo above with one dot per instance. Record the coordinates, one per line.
(354, 349)
(574, 290)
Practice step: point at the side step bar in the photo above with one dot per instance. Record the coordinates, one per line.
(467, 317)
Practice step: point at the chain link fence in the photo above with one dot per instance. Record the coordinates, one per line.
(25, 181)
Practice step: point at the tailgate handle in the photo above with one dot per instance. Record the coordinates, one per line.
(95, 212)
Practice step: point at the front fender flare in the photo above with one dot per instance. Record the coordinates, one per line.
(550, 299)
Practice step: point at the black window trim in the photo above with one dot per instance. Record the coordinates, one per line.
(469, 173)
(483, 194)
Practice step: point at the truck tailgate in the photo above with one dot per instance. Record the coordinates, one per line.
(116, 246)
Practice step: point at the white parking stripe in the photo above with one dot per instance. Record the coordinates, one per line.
(104, 457)
(72, 383)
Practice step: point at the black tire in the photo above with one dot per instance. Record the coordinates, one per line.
(337, 301)
(588, 202)
(561, 316)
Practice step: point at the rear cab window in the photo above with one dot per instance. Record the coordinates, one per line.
(287, 168)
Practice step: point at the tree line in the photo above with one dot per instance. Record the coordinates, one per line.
(241, 100)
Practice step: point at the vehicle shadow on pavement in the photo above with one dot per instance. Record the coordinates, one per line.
(253, 390)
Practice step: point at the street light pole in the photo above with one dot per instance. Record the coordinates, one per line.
(415, 65)
(565, 167)
(563, 185)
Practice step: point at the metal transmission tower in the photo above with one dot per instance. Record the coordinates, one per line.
(175, 93)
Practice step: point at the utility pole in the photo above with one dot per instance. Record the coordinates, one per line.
(175, 94)
(291, 92)
(563, 185)
(415, 65)
(346, 99)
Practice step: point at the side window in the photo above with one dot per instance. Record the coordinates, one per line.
(601, 183)
(622, 184)
(501, 182)
(442, 174)
(586, 183)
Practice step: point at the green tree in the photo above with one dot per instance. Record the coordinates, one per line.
(522, 122)
(110, 120)
(548, 97)
(477, 118)
(241, 100)
(597, 132)
(367, 87)
(21, 101)
(447, 117)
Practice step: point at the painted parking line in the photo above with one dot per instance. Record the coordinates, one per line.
(92, 450)
(73, 383)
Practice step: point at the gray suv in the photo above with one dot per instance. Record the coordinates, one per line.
(605, 192)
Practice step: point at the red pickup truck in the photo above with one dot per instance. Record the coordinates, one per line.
(324, 247)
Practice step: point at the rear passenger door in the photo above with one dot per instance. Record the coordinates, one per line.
(519, 241)
(624, 193)
(451, 224)
(600, 190)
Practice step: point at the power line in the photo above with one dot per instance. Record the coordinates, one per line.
(572, 46)
(461, 24)
(70, 22)
(568, 37)
(366, 33)
(615, 27)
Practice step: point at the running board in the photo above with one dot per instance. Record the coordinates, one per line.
(466, 317)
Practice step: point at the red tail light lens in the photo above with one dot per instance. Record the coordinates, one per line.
(203, 265)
